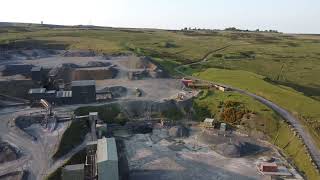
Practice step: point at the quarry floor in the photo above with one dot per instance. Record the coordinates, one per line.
(157, 157)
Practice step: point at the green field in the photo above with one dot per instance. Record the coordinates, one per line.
(301, 106)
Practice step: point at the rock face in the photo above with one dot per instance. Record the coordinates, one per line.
(179, 131)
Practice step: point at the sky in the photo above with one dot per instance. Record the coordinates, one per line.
(290, 16)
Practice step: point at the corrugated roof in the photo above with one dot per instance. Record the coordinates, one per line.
(84, 83)
(107, 150)
(37, 91)
(64, 94)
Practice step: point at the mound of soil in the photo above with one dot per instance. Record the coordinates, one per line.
(238, 149)
(179, 131)
(7, 153)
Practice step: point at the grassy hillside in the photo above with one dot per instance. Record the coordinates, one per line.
(304, 107)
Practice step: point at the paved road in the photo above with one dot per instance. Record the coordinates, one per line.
(303, 132)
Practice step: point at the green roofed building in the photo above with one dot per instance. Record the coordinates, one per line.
(107, 159)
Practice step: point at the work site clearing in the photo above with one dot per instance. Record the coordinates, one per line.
(161, 139)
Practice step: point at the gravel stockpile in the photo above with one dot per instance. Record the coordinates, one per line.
(238, 149)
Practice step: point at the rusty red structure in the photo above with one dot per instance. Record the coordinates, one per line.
(269, 167)
(187, 82)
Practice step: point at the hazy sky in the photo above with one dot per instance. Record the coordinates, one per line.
(297, 16)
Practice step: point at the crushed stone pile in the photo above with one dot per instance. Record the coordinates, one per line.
(237, 149)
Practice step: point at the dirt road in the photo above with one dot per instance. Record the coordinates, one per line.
(37, 162)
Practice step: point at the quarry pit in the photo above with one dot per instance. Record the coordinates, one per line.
(144, 93)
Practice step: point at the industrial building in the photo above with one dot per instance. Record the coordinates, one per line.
(37, 74)
(83, 91)
(63, 97)
(101, 162)
(107, 159)
(52, 96)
